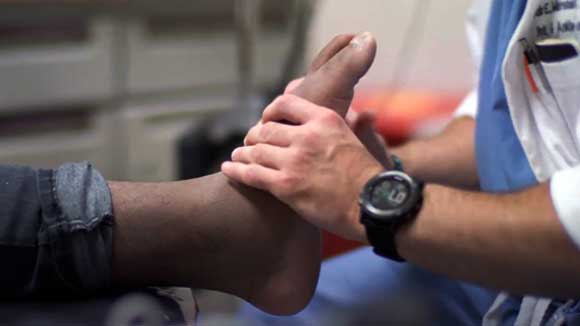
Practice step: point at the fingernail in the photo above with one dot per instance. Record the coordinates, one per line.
(224, 165)
(362, 38)
(234, 152)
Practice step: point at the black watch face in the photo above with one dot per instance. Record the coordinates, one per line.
(389, 194)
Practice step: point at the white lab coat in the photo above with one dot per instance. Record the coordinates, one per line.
(546, 123)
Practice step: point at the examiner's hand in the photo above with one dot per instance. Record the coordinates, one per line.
(362, 124)
(317, 165)
(299, 170)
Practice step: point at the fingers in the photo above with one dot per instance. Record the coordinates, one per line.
(252, 175)
(330, 50)
(262, 154)
(272, 133)
(291, 109)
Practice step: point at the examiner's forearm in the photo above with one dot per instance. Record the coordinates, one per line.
(448, 158)
(512, 241)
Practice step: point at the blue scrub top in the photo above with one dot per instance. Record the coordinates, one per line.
(501, 161)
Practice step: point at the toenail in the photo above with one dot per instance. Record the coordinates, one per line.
(361, 39)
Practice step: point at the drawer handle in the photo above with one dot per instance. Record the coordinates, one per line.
(30, 123)
(49, 33)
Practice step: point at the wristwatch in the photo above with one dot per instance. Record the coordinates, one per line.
(387, 202)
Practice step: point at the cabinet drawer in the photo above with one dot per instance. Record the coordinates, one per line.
(52, 63)
(153, 130)
(48, 139)
(197, 47)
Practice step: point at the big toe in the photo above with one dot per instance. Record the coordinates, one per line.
(332, 83)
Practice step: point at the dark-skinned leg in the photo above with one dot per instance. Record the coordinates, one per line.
(211, 233)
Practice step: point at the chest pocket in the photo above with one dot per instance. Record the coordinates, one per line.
(558, 113)
(564, 79)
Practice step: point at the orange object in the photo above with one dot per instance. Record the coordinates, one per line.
(402, 113)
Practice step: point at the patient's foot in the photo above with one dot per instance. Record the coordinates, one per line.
(210, 233)
(288, 276)
(293, 244)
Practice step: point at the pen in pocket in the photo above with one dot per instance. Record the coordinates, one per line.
(532, 59)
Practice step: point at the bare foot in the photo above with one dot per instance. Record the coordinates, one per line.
(330, 82)
(214, 234)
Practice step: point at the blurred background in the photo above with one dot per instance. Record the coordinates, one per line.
(162, 90)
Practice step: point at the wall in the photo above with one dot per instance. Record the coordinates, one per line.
(442, 60)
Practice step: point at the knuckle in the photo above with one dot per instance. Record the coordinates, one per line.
(266, 131)
(310, 136)
(252, 132)
(251, 176)
(299, 164)
(285, 100)
(287, 183)
(257, 153)
(298, 157)
(279, 99)
(330, 117)
(272, 106)
(292, 85)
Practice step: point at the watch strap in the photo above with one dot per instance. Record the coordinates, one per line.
(397, 163)
(382, 237)
(383, 241)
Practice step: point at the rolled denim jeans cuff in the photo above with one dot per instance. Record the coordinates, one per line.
(77, 221)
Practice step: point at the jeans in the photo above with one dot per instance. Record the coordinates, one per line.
(55, 230)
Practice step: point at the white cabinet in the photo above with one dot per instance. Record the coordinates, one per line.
(40, 140)
(118, 86)
(167, 62)
(151, 131)
(63, 71)
(163, 62)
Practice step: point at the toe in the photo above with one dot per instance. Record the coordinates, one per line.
(332, 85)
(330, 50)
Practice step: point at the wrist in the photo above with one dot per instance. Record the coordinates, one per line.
(390, 200)
(358, 230)
(410, 235)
